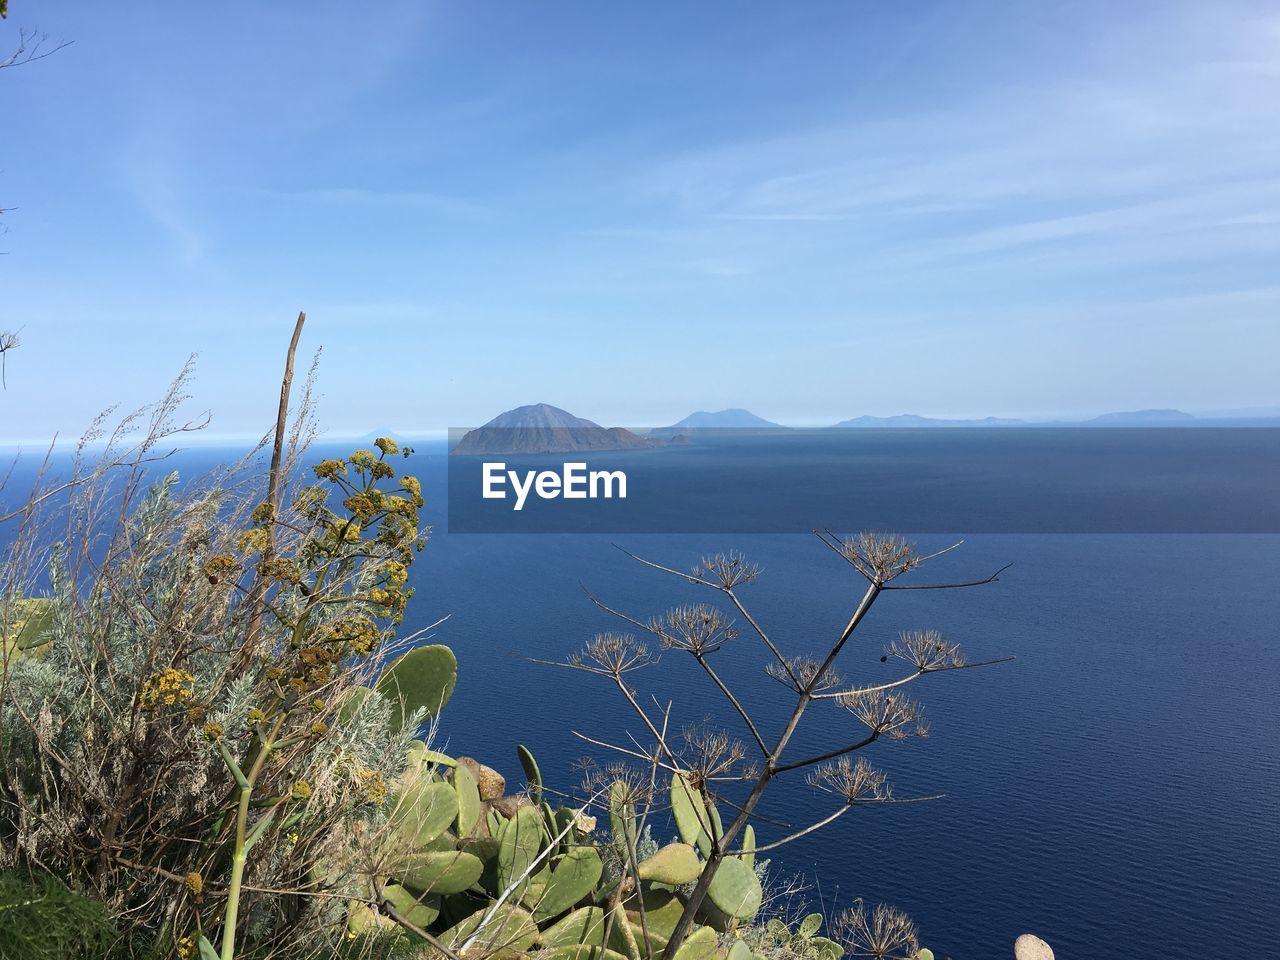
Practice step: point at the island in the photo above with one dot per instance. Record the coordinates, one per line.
(542, 428)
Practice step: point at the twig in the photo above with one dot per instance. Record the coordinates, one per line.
(949, 586)
(259, 590)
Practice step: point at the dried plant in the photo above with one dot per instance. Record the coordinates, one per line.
(8, 341)
(703, 758)
(883, 713)
(802, 673)
(855, 781)
(727, 569)
(882, 932)
(611, 655)
(178, 736)
(699, 629)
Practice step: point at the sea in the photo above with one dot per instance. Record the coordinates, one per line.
(1113, 788)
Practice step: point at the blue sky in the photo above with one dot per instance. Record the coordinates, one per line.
(814, 210)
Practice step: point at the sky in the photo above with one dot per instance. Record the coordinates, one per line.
(814, 210)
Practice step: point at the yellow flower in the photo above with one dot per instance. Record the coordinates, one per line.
(212, 732)
(168, 687)
(186, 948)
(362, 460)
(253, 541)
(345, 530)
(329, 469)
(194, 883)
(413, 488)
(388, 446)
(373, 785)
(280, 570)
(255, 716)
(396, 572)
(360, 632)
(361, 506)
(301, 790)
(221, 567)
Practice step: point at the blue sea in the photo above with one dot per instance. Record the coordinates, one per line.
(1113, 789)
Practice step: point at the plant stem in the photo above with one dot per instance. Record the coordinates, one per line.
(237, 875)
(699, 893)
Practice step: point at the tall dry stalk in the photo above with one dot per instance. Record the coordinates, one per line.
(709, 758)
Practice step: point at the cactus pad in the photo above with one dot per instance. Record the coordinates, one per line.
(423, 677)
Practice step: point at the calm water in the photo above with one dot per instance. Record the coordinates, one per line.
(1113, 790)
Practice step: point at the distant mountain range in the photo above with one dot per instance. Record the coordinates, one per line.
(1124, 418)
(732, 419)
(542, 428)
(1129, 418)
(1144, 418)
(912, 420)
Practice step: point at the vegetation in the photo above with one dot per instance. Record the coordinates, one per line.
(40, 919)
(213, 743)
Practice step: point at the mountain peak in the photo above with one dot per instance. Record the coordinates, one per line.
(1141, 417)
(734, 417)
(542, 428)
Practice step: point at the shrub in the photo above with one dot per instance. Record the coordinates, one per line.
(40, 919)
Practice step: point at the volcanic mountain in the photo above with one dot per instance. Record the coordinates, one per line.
(542, 428)
(735, 418)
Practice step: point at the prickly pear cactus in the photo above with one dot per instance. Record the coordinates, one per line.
(506, 875)
(508, 931)
(464, 785)
(674, 865)
(531, 773)
(570, 880)
(735, 889)
(423, 677)
(690, 813)
(30, 633)
(803, 942)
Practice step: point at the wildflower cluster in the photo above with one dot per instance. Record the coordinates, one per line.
(377, 523)
(193, 882)
(168, 688)
(221, 568)
(372, 785)
(280, 570)
(359, 634)
(334, 578)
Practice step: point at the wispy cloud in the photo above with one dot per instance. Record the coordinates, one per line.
(155, 182)
(1149, 152)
